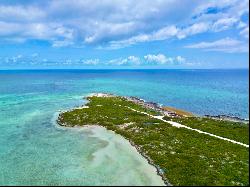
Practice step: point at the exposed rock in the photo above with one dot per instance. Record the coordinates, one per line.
(228, 118)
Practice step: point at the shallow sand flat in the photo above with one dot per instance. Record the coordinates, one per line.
(115, 155)
(40, 152)
(115, 146)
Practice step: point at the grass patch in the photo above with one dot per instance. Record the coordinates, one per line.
(232, 130)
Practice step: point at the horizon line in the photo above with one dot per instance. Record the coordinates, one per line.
(39, 69)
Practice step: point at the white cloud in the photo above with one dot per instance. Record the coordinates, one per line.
(161, 59)
(50, 32)
(115, 24)
(161, 34)
(131, 61)
(158, 59)
(68, 62)
(91, 62)
(117, 62)
(7, 29)
(241, 24)
(102, 29)
(227, 45)
(147, 60)
(135, 60)
(173, 31)
(62, 43)
(193, 29)
(164, 33)
(21, 13)
(224, 24)
(180, 59)
(245, 32)
(14, 59)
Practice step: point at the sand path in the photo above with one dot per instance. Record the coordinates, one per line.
(178, 125)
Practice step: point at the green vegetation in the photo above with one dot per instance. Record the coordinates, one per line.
(232, 130)
(185, 157)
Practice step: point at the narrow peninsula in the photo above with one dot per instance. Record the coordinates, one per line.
(185, 149)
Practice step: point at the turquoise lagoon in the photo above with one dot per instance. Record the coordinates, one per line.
(34, 150)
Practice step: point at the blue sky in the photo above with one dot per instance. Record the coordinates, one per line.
(124, 34)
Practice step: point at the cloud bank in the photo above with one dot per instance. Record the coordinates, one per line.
(130, 61)
(227, 45)
(116, 24)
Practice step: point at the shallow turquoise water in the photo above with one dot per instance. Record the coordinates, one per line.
(33, 150)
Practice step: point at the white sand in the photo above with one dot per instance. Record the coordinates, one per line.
(100, 95)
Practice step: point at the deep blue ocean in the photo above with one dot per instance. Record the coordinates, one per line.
(199, 91)
(35, 151)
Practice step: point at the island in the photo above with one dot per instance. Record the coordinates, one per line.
(186, 149)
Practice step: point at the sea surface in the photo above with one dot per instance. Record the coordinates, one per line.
(34, 150)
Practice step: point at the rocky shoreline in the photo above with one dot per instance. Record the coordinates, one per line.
(147, 104)
(228, 118)
(159, 108)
